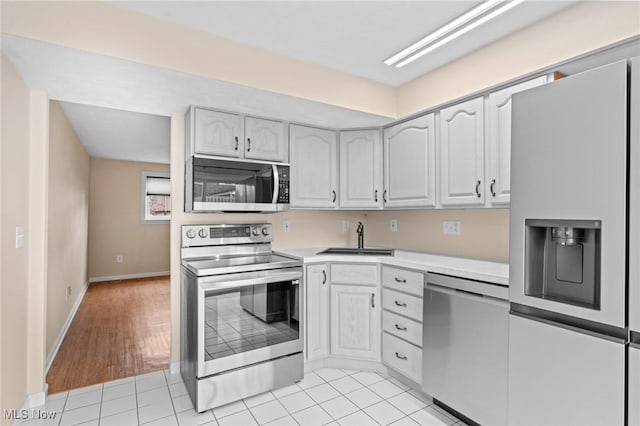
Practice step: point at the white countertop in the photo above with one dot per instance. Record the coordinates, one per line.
(480, 270)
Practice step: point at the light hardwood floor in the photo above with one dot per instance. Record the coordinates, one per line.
(121, 329)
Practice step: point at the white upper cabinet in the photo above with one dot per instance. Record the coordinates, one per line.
(314, 167)
(409, 163)
(225, 134)
(461, 150)
(217, 133)
(360, 169)
(265, 140)
(498, 187)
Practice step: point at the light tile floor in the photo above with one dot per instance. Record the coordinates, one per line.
(325, 396)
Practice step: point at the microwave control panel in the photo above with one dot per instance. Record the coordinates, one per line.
(283, 190)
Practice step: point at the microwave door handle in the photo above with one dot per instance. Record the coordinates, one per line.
(276, 184)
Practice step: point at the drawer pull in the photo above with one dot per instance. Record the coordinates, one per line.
(402, 305)
(399, 280)
(401, 328)
(402, 357)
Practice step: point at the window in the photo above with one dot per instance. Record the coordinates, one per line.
(156, 197)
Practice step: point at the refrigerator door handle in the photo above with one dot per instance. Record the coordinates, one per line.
(601, 331)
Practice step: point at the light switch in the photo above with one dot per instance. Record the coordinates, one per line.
(19, 236)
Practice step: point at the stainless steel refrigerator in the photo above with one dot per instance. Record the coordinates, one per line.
(574, 251)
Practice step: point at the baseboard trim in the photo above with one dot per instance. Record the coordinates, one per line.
(128, 276)
(56, 346)
(174, 367)
(34, 400)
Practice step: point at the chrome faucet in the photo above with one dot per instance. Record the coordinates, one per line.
(360, 231)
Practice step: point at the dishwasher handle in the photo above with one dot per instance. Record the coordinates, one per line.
(465, 294)
(472, 287)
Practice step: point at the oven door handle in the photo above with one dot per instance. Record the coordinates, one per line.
(237, 283)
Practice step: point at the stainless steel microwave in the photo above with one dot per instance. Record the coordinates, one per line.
(230, 185)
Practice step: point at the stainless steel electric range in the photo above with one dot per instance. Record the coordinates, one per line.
(241, 314)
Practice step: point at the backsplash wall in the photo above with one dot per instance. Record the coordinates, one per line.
(484, 232)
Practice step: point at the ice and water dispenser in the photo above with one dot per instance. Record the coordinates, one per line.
(562, 261)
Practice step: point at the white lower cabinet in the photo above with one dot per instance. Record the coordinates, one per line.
(355, 330)
(317, 311)
(403, 304)
(402, 321)
(402, 357)
(402, 327)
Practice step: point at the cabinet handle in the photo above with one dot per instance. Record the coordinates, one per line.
(491, 187)
(248, 144)
(398, 280)
(401, 328)
(402, 357)
(402, 305)
(334, 195)
(478, 188)
(373, 304)
(375, 195)
(237, 142)
(384, 196)
(324, 277)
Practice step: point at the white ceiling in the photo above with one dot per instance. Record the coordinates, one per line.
(350, 36)
(102, 94)
(121, 135)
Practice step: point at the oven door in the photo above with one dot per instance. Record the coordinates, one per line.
(248, 318)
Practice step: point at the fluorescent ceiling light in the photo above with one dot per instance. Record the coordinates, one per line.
(459, 26)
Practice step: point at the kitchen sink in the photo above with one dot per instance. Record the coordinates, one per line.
(359, 251)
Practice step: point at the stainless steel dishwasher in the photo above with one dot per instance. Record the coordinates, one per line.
(465, 347)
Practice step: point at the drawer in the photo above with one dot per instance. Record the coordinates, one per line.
(402, 357)
(403, 280)
(402, 327)
(403, 304)
(355, 274)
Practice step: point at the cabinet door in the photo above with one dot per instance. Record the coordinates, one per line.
(217, 133)
(360, 169)
(265, 140)
(317, 326)
(462, 154)
(498, 185)
(355, 329)
(314, 167)
(409, 164)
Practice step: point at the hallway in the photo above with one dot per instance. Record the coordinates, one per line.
(121, 329)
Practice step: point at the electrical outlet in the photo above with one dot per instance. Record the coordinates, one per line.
(345, 226)
(451, 228)
(119, 258)
(286, 226)
(68, 292)
(393, 223)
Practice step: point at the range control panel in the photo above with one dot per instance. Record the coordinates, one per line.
(216, 235)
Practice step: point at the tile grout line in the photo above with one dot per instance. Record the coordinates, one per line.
(100, 408)
(135, 390)
(173, 407)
